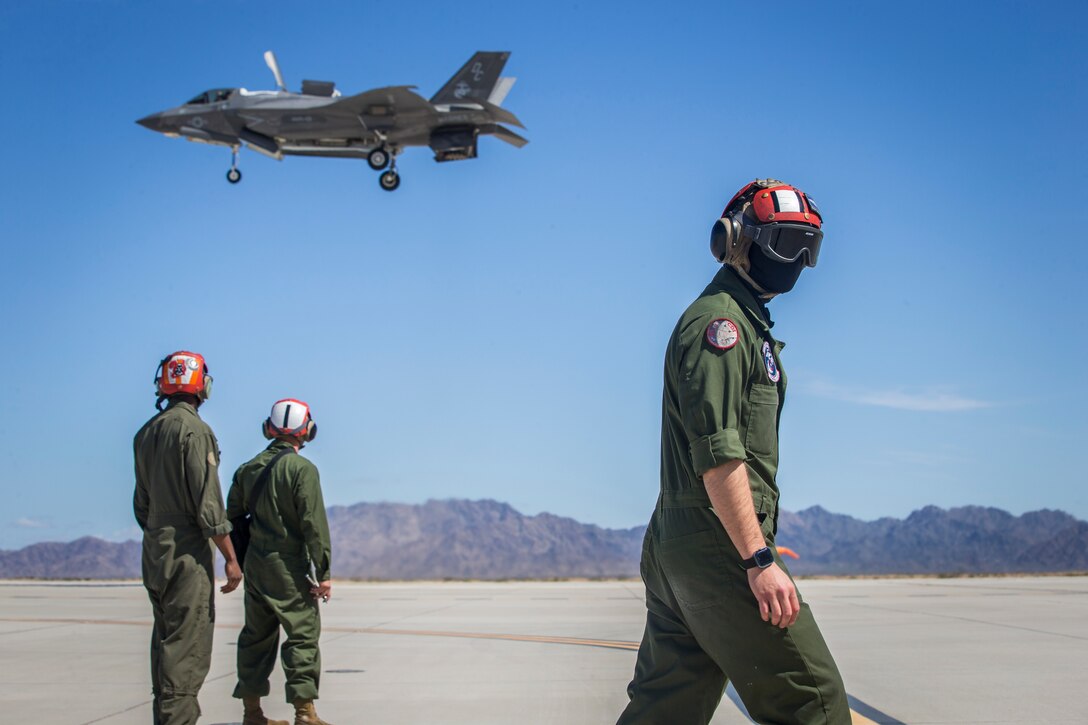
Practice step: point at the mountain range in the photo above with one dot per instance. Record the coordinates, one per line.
(460, 539)
(931, 540)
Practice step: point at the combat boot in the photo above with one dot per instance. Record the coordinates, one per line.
(254, 715)
(305, 714)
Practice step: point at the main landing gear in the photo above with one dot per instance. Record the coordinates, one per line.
(389, 180)
(380, 158)
(234, 175)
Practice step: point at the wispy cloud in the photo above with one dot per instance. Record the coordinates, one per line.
(931, 401)
(25, 523)
(129, 532)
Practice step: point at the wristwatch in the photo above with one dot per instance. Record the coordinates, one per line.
(762, 558)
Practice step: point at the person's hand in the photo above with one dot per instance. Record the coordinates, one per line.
(322, 591)
(776, 595)
(234, 576)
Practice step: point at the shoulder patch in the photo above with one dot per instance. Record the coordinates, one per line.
(722, 333)
(768, 361)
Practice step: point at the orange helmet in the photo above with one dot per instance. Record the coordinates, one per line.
(183, 372)
(290, 417)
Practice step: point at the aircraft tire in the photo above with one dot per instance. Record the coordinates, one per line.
(378, 159)
(389, 181)
(234, 176)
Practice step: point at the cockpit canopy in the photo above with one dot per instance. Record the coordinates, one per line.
(216, 95)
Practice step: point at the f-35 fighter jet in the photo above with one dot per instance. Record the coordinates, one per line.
(376, 125)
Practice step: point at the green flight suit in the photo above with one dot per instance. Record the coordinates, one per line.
(179, 507)
(289, 532)
(723, 395)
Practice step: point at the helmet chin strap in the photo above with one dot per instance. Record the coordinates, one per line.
(763, 294)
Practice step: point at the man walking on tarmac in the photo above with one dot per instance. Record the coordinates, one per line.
(289, 538)
(720, 604)
(179, 507)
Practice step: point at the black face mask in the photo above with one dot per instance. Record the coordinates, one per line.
(772, 276)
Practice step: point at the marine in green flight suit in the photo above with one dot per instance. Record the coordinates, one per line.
(289, 536)
(721, 605)
(179, 506)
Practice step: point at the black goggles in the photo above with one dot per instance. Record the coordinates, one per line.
(785, 242)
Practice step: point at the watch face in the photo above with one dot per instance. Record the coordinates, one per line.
(763, 557)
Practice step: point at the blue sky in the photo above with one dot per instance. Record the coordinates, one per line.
(495, 328)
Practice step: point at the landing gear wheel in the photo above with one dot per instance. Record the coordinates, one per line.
(390, 180)
(234, 176)
(378, 159)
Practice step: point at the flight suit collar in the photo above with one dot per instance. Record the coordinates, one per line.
(183, 405)
(278, 445)
(727, 280)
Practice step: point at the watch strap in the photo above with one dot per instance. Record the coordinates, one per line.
(761, 558)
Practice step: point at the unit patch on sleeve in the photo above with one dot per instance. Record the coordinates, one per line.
(768, 360)
(722, 333)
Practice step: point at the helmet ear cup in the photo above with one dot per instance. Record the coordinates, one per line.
(266, 429)
(311, 430)
(723, 236)
(207, 391)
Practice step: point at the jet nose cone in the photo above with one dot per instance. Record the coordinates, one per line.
(153, 122)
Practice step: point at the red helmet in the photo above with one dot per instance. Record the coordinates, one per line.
(290, 417)
(776, 201)
(781, 219)
(183, 372)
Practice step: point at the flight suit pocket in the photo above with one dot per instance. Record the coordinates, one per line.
(762, 434)
(698, 569)
(766, 522)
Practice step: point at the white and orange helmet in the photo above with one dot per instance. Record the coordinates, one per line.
(183, 372)
(291, 418)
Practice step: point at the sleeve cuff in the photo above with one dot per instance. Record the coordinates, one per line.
(223, 528)
(322, 569)
(713, 450)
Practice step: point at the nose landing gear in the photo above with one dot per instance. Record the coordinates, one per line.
(234, 175)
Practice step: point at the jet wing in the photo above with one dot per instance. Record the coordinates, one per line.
(386, 101)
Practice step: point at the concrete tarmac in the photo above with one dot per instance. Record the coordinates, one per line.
(987, 650)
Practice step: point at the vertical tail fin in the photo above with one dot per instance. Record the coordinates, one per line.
(475, 80)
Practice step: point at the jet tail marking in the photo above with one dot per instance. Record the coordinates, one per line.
(475, 81)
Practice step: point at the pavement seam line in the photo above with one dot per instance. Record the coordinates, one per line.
(856, 718)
